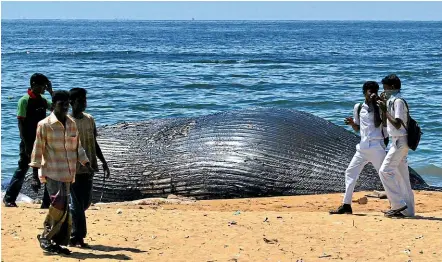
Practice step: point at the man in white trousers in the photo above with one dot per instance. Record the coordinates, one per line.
(394, 170)
(371, 149)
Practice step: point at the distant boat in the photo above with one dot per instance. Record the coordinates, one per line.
(193, 19)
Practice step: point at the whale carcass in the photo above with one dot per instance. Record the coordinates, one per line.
(241, 153)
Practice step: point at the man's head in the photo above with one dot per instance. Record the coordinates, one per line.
(369, 88)
(391, 82)
(38, 83)
(60, 102)
(77, 99)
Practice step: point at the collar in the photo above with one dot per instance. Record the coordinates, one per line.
(367, 107)
(53, 119)
(73, 117)
(394, 96)
(31, 94)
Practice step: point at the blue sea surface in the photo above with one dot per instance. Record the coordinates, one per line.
(137, 70)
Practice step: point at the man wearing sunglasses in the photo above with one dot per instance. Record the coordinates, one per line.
(31, 109)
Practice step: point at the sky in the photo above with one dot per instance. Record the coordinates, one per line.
(419, 11)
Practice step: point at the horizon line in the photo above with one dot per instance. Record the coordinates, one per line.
(193, 20)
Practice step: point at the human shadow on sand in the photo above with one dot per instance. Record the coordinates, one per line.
(413, 218)
(360, 215)
(424, 218)
(83, 256)
(112, 249)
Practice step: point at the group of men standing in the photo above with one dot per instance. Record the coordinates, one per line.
(62, 150)
(378, 118)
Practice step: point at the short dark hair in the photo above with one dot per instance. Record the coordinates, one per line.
(60, 95)
(77, 92)
(38, 79)
(370, 85)
(392, 80)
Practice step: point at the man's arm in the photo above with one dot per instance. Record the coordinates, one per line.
(97, 147)
(37, 156)
(396, 122)
(82, 157)
(384, 118)
(100, 154)
(81, 154)
(349, 121)
(354, 121)
(377, 114)
(49, 88)
(21, 116)
(49, 101)
(21, 130)
(39, 147)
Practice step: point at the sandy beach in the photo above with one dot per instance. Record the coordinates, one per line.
(296, 228)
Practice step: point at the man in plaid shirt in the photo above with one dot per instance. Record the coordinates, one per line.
(57, 149)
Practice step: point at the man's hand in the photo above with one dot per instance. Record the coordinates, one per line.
(90, 169)
(106, 169)
(382, 96)
(28, 151)
(374, 97)
(382, 105)
(382, 102)
(35, 184)
(349, 121)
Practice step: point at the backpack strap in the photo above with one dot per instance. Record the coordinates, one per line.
(408, 112)
(359, 111)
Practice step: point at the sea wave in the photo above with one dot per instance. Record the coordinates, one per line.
(72, 53)
(123, 75)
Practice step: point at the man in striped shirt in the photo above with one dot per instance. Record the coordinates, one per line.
(57, 149)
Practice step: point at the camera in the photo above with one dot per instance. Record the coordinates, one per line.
(375, 97)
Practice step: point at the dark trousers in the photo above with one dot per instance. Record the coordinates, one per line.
(18, 178)
(46, 201)
(81, 199)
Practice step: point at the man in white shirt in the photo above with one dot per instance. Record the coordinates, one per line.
(394, 170)
(368, 120)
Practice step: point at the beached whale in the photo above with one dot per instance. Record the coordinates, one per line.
(242, 153)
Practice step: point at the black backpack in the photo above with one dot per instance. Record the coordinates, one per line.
(386, 139)
(414, 130)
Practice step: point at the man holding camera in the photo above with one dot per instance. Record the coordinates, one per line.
(394, 170)
(369, 121)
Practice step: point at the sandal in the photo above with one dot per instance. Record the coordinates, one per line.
(78, 243)
(398, 215)
(62, 250)
(392, 212)
(48, 247)
(9, 204)
(83, 244)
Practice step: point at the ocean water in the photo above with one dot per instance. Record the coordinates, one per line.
(136, 70)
